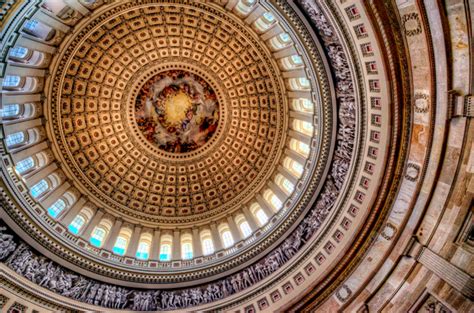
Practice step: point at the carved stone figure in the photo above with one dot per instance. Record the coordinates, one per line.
(7, 245)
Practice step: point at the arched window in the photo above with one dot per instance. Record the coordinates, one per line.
(57, 207)
(301, 83)
(284, 184)
(12, 81)
(15, 139)
(299, 147)
(292, 62)
(98, 236)
(243, 225)
(76, 224)
(206, 242)
(261, 217)
(226, 235)
(266, 21)
(244, 7)
(123, 239)
(280, 41)
(302, 105)
(24, 165)
(39, 188)
(272, 199)
(80, 220)
(144, 245)
(294, 167)
(257, 211)
(39, 30)
(245, 229)
(31, 25)
(100, 232)
(18, 52)
(165, 248)
(120, 245)
(143, 250)
(227, 239)
(10, 110)
(296, 59)
(303, 127)
(186, 247)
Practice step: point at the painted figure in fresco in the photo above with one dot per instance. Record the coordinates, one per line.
(177, 111)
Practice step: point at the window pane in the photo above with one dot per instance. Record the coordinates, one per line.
(24, 165)
(11, 81)
(269, 17)
(97, 236)
(297, 168)
(207, 246)
(304, 82)
(38, 189)
(187, 252)
(120, 246)
(287, 185)
(227, 239)
(245, 228)
(261, 217)
(10, 110)
(31, 25)
(76, 224)
(143, 250)
(15, 138)
(165, 253)
(18, 52)
(284, 37)
(276, 202)
(56, 208)
(297, 60)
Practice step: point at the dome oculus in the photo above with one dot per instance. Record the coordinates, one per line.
(177, 111)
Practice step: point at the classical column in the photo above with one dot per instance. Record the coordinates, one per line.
(300, 136)
(450, 273)
(265, 206)
(67, 218)
(43, 173)
(286, 52)
(155, 245)
(447, 271)
(176, 246)
(55, 195)
(132, 247)
(231, 4)
(256, 13)
(302, 116)
(197, 248)
(86, 234)
(250, 218)
(216, 238)
(295, 156)
(234, 229)
(23, 154)
(277, 191)
(285, 172)
(20, 126)
(114, 232)
(294, 73)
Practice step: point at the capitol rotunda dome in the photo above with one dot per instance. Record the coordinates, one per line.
(236, 155)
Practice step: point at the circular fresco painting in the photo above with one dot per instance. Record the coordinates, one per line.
(177, 111)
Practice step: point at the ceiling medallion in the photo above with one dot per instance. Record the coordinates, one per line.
(177, 111)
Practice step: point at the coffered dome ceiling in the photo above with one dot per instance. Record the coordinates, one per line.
(219, 155)
(172, 176)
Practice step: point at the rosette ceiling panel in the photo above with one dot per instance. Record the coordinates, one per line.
(233, 155)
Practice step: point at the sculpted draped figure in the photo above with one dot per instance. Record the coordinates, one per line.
(54, 277)
(7, 245)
